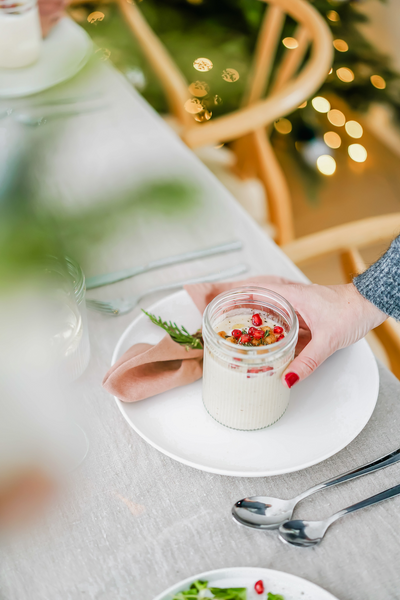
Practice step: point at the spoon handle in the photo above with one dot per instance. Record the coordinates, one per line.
(379, 463)
(390, 493)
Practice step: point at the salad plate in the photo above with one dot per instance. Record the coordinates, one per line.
(326, 411)
(278, 584)
(64, 52)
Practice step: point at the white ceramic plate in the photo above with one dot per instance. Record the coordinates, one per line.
(326, 412)
(64, 52)
(277, 582)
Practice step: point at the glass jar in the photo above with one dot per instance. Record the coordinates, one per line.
(20, 33)
(242, 385)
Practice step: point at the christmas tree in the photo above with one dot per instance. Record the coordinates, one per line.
(226, 32)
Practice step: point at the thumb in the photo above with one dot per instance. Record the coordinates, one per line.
(306, 362)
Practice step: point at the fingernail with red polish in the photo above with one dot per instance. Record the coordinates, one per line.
(291, 379)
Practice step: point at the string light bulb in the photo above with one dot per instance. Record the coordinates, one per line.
(357, 152)
(378, 82)
(332, 139)
(340, 45)
(354, 129)
(345, 74)
(283, 126)
(326, 164)
(290, 43)
(336, 117)
(321, 104)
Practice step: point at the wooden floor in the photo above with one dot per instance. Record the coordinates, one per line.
(354, 192)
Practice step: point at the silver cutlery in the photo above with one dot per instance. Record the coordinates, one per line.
(121, 307)
(310, 533)
(263, 512)
(100, 280)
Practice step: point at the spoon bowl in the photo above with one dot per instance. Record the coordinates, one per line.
(262, 512)
(303, 533)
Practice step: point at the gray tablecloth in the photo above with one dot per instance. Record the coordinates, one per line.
(135, 522)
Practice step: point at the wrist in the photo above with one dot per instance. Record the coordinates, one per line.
(372, 314)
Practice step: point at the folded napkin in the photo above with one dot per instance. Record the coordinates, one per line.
(145, 370)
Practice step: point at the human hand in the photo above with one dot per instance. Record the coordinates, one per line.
(50, 12)
(330, 318)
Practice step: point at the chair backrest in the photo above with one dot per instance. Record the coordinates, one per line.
(289, 89)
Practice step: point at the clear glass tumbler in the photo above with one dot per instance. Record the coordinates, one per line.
(242, 385)
(70, 332)
(20, 33)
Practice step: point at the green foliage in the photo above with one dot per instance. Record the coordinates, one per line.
(33, 228)
(180, 335)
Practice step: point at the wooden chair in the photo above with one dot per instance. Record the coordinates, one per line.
(347, 240)
(295, 81)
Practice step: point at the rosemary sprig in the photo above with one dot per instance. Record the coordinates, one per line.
(178, 334)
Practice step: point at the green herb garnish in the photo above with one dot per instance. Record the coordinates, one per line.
(274, 596)
(179, 334)
(218, 593)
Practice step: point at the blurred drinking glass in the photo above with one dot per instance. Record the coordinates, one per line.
(20, 33)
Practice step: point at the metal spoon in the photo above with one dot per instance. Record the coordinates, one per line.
(263, 512)
(310, 533)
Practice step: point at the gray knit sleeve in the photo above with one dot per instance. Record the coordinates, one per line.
(380, 284)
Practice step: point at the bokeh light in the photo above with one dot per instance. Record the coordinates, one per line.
(333, 15)
(303, 105)
(290, 43)
(230, 75)
(354, 129)
(193, 106)
(357, 152)
(336, 117)
(199, 89)
(332, 139)
(203, 116)
(326, 164)
(340, 45)
(283, 126)
(203, 64)
(321, 104)
(378, 82)
(345, 74)
(217, 100)
(95, 16)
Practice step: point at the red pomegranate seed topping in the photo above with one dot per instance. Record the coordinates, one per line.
(256, 320)
(280, 337)
(245, 339)
(259, 587)
(236, 333)
(252, 331)
(278, 329)
(258, 334)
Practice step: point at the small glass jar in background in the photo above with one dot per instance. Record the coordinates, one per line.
(20, 33)
(242, 385)
(70, 332)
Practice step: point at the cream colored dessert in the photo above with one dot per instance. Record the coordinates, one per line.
(246, 393)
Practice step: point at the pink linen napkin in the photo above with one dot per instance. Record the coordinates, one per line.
(145, 370)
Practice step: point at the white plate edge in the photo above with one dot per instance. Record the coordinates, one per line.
(234, 570)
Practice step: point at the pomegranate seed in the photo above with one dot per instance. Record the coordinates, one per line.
(259, 587)
(280, 337)
(278, 329)
(256, 320)
(252, 331)
(258, 334)
(245, 339)
(236, 333)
